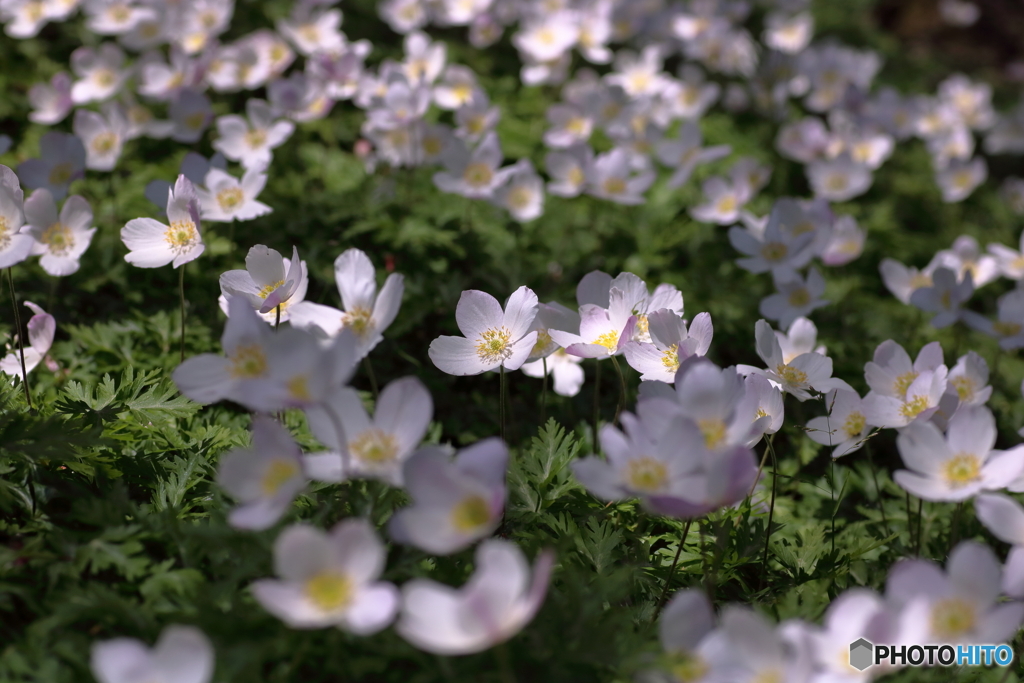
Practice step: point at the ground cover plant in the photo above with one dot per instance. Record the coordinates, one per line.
(509, 340)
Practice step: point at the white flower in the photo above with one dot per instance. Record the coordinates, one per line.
(115, 17)
(795, 297)
(313, 32)
(774, 250)
(801, 337)
(455, 502)
(41, 328)
(611, 176)
(789, 34)
(191, 113)
(969, 379)
(839, 179)
(565, 370)
(568, 170)
(366, 313)
(522, 195)
(685, 153)
(492, 338)
(671, 343)
(103, 136)
(1011, 261)
(182, 654)
(757, 650)
(329, 579)
(265, 478)
(62, 240)
(845, 244)
(495, 604)
(14, 245)
(269, 282)
(1008, 327)
(807, 372)
(903, 281)
(225, 198)
(475, 173)
(457, 88)
(424, 59)
(548, 37)
(958, 180)
(25, 17)
(846, 426)
(722, 201)
(944, 297)
(51, 103)
(100, 73)
(376, 447)
(152, 244)
(961, 464)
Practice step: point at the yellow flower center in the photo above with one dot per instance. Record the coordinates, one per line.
(770, 676)
(58, 238)
(713, 430)
(60, 173)
(309, 33)
(181, 235)
(266, 291)
(801, 228)
(35, 10)
(609, 340)
(576, 177)
(278, 473)
(208, 19)
(791, 375)
(726, 205)
(357, 320)
(104, 77)
(961, 469)
(837, 182)
(577, 125)
(646, 475)
(953, 618)
(104, 142)
(432, 145)
(195, 120)
(229, 198)
(1005, 329)
(329, 591)
(543, 340)
(470, 514)
(248, 362)
(914, 407)
(687, 668)
(903, 382)
(964, 387)
(119, 13)
(799, 297)
(670, 358)
(774, 251)
(963, 179)
(919, 280)
(5, 233)
(854, 424)
(493, 346)
(374, 446)
(478, 174)
(256, 138)
(298, 388)
(476, 124)
(614, 186)
(520, 197)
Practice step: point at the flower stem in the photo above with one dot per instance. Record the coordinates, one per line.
(277, 316)
(181, 295)
(21, 341)
(920, 505)
(878, 490)
(504, 663)
(771, 514)
(597, 403)
(544, 392)
(672, 569)
(501, 401)
(622, 390)
(373, 378)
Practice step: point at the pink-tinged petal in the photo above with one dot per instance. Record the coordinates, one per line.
(1002, 469)
(373, 609)
(767, 344)
(265, 266)
(687, 618)
(288, 603)
(929, 357)
(520, 312)
(325, 467)
(923, 448)
(41, 328)
(477, 312)
(974, 571)
(485, 461)
(910, 578)
(593, 289)
(76, 214)
(458, 356)
(306, 315)
(404, 410)
(205, 378)
(647, 360)
(1001, 623)
(972, 430)
(188, 256)
(40, 209)
(302, 551)
(599, 477)
(431, 530)
(260, 514)
(1013, 573)
(184, 654)
(360, 553)
(929, 488)
(587, 350)
(431, 620)
(118, 660)
(251, 209)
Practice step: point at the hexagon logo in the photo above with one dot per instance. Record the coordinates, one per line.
(861, 654)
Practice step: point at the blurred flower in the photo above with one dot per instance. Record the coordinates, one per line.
(944, 297)
(788, 33)
(496, 603)
(796, 296)
(671, 344)
(329, 579)
(722, 201)
(62, 240)
(809, 371)
(969, 379)
(845, 428)
(454, 502)
(567, 375)
(959, 179)
(62, 160)
(100, 72)
(474, 174)
(15, 246)
(250, 142)
(522, 195)
(102, 135)
(958, 12)
(312, 31)
(845, 244)
(903, 281)
(839, 179)
(568, 170)
(684, 153)
(1008, 327)
(115, 17)
(52, 102)
(226, 198)
(191, 113)
(181, 654)
(41, 328)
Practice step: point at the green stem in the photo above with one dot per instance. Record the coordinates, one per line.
(277, 316)
(771, 515)
(501, 401)
(21, 341)
(920, 505)
(672, 569)
(544, 392)
(373, 378)
(878, 490)
(597, 404)
(622, 389)
(181, 294)
(954, 534)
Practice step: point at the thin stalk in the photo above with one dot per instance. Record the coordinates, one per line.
(771, 515)
(622, 389)
(597, 403)
(920, 504)
(910, 519)
(501, 401)
(181, 293)
(544, 392)
(878, 490)
(21, 341)
(504, 663)
(760, 467)
(277, 316)
(373, 378)
(672, 569)
(954, 534)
